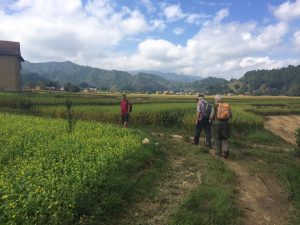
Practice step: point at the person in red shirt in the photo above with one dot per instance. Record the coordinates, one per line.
(125, 110)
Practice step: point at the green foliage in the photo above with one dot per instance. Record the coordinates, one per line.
(283, 81)
(50, 177)
(211, 86)
(297, 134)
(112, 80)
(70, 115)
(32, 80)
(24, 104)
(71, 87)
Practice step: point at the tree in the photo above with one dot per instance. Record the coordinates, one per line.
(71, 88)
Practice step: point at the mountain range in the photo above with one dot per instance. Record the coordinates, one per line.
(169, 76)
(113, 80)
(284, 81)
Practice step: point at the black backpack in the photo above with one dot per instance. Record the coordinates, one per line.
(207, 109)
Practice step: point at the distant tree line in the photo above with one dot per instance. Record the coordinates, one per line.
(284, 81)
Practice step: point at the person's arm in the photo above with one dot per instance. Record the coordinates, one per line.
(198, 111)
(197, 117)
(128, 106)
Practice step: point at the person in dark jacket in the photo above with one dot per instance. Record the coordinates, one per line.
(221, 115)
(202, 120)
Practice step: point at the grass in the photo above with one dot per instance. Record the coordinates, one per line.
(212, 202)
(132, 178)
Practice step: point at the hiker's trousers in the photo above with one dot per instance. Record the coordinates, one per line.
(203, 124)
(222, 146)
(221, 133)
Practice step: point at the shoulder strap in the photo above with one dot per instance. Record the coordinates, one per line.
(204, 102)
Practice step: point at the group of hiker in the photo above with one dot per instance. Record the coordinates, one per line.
(208, 116)
(218, 114)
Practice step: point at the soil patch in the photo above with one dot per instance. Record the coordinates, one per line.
(284, 126)
(262, 199)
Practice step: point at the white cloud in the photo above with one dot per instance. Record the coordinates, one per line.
(251, 61)
(173, 13)
(206, 3)
(64, 30)
(134, 24)
(95, 34)
(158, 24)
(149, 6)
(218, 49)
(287, 11)
(160, 50)
(222, 14)
(178, 31)
(196, 18)
(297, 40)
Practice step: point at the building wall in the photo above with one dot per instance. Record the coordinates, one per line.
(10, 79)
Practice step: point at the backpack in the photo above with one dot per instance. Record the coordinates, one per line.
(222, 111)
(207, 109)
(129, 105)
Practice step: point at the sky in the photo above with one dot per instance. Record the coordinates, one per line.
(220, 38)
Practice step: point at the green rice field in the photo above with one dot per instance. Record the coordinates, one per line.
(51, 176)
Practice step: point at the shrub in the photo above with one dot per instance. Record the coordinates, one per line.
(298, 137)
(24, 104)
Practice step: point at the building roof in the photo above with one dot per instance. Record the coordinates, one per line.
(10, 48)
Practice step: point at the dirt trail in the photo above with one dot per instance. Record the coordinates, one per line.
(180, 179)
(284, 126)
(261, 198)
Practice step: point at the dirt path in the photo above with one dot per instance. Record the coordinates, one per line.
(261, 198)
(284, 126)
(181, 177)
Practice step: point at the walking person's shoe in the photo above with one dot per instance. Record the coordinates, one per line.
(218, 154)
(195, 141)
(208, 145)
(226, 154)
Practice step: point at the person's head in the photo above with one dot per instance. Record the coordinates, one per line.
(200, 96)
(124, 96)
(218, 98)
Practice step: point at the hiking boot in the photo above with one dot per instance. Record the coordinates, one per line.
(226, 154)
(217, 154)
(208, 145)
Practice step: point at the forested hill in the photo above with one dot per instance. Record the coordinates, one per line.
(112, 80)
(284, 81)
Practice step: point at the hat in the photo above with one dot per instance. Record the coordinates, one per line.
(218, 98)
(201, 95)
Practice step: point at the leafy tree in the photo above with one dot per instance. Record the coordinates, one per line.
(71, 88)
